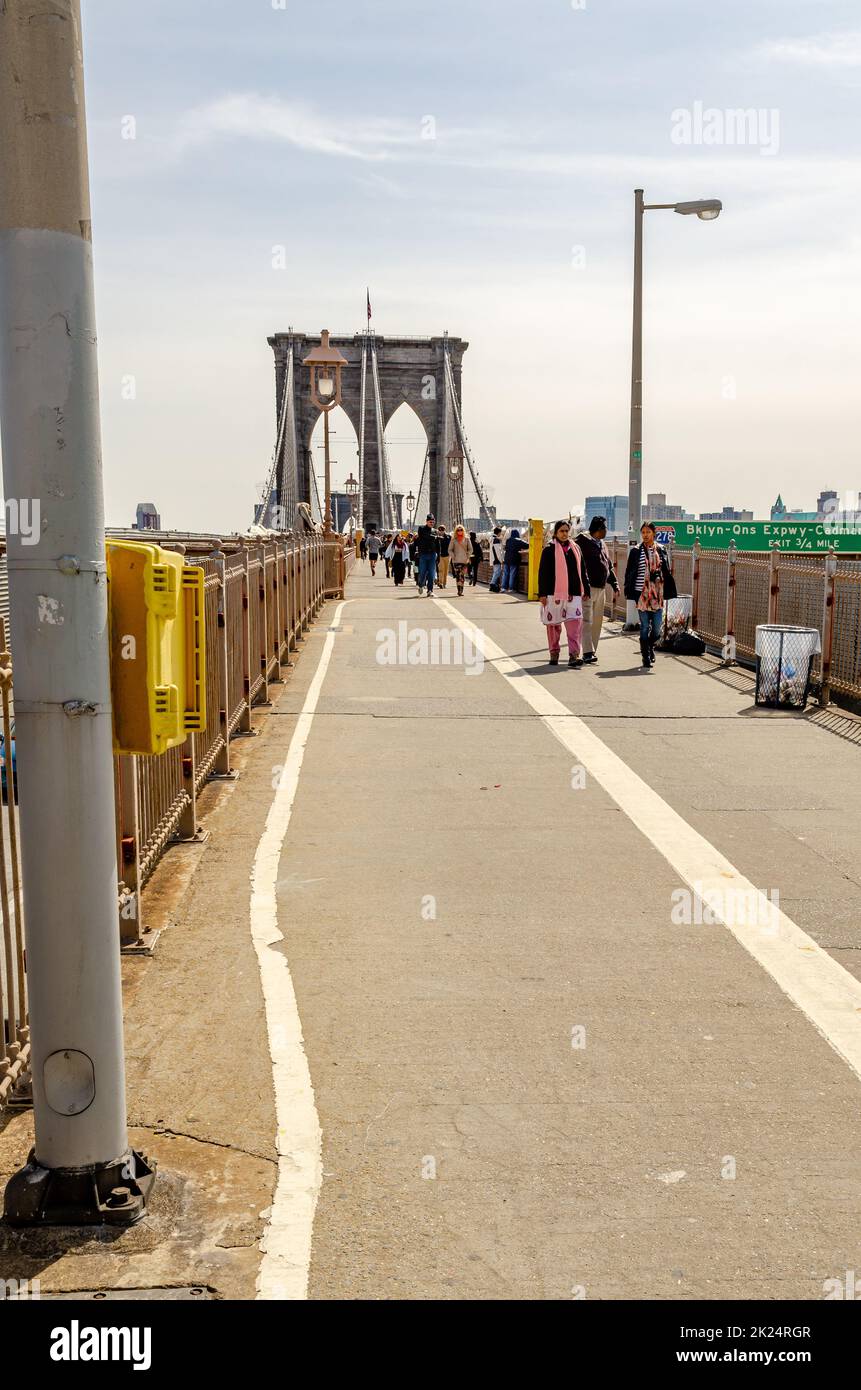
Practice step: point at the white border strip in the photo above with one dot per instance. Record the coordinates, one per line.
(286, 1242)
(824, 991)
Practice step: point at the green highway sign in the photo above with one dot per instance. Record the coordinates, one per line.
(803, 536)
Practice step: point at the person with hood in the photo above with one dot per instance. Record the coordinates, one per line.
(497, 557)
(460, 554)
(648, 581)
(596, 559)
(562, 585)
(513, 546)
(397, 555)
(477, 557)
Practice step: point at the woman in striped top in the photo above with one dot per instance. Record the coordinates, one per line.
(648, 581)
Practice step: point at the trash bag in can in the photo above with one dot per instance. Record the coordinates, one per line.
(784, 659)
(677, 618)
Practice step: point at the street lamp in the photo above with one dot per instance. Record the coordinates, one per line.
(706, 209)
(351, 487)
(454, 459)
(324, 365)
(411, 502)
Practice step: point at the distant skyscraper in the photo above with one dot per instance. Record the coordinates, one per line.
(726, 514)
(146, 517)
(614, 508)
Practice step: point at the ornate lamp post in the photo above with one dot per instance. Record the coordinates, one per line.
(411, 502)
(351, 487)
(454, 461)
(324, 364)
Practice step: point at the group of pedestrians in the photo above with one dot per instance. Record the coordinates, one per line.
(573, 578)
(431, 554)
(574, 575)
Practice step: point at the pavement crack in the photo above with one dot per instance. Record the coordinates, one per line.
(213, 1143)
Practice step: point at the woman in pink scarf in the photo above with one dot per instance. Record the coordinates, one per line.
(562, 586)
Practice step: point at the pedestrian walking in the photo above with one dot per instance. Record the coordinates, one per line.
(596, 560)
(387, 556)
(414, 557)
(514, 546)
(428, 553)
(562, 586)
(397, 554)
(460, 554)
(363, 548)
(408, 552)
(442, 568)
(476, 559)
(375, 545)
(648, 581)
(497, 558)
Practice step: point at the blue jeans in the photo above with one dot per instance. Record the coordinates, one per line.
(427, 572)
(509, 578)
(496, 573)
(650, 625)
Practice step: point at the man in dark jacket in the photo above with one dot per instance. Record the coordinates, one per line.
(427, 549)
(477, 557)
(596, 561)
(510, 570)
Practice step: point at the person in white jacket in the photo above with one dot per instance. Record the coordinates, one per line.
(497, 558)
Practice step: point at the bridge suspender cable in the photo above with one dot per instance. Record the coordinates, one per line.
(483, 502)
(386, 500)
(265, 500)
(361, 509)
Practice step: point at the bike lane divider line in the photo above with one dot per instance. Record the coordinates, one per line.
(827, 994)
(286, 1242)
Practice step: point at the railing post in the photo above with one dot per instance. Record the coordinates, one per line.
(729, 628)
(828, 612)
(774, 583)
(188, 827)
(276, 597)
(244, 725)
(128, 851)
(695, 587)
(220, 655)
(263, 623)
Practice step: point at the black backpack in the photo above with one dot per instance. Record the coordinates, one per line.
(687, 644)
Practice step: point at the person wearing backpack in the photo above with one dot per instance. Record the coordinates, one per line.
(497, 559)
(648, 581)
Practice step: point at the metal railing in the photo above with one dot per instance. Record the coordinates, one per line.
(14, 1030)
(259, 598)
(734, 591)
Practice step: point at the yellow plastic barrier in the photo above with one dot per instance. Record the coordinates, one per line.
(536, 545)
(158, 649)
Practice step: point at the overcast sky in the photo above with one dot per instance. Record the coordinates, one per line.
(261, 125)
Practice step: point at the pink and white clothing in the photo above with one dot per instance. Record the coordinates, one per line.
(562, 607)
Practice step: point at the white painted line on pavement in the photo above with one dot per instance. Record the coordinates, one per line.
(828, 995)
(286, 1242)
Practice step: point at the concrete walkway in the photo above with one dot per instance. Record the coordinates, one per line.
(454, 908)
(531, 1081)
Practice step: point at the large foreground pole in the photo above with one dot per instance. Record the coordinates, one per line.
(81, 1169)
(635, 449)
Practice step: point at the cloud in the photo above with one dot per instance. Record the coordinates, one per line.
(818, 50)
(248, 115)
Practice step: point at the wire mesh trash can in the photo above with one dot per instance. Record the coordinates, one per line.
(784, 659)
(677, 618)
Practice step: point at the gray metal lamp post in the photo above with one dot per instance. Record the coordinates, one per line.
(81, 1170)
(706, 209)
